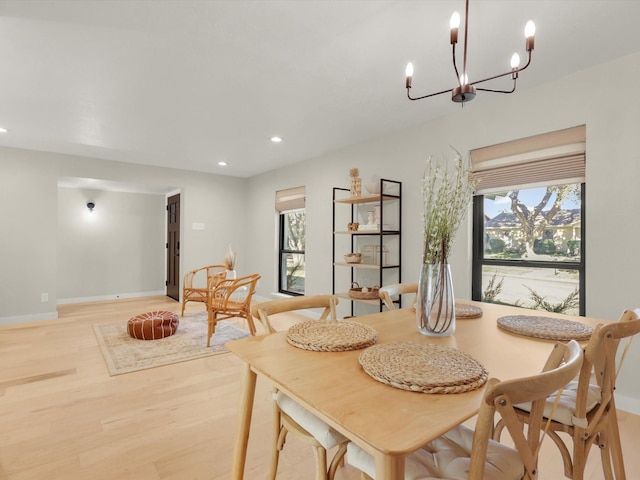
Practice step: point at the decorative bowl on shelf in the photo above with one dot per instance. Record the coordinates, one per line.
(363, 293)
(353, 257)
(372, 188)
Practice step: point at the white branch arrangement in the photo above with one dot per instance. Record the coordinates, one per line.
(447, 190)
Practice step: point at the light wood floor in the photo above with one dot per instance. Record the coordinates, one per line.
(63, 417)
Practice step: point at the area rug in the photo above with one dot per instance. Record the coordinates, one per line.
(124, 354)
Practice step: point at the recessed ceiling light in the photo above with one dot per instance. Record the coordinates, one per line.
(3, 130)
(222, 164)
(276, 139)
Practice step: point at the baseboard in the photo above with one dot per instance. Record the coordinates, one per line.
(33, 317)
(115, 296)
(628, 404)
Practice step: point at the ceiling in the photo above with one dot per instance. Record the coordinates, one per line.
(186, 84)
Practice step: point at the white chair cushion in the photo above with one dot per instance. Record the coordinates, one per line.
(565, 409)
(323, 433)
(447, 457)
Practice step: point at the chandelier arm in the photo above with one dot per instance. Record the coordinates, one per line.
(513, 89)
(455, 67)
(510, 72)
(426, 96)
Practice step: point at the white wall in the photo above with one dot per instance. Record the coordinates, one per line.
(118, 250)
(591, 97)
(28, 240)
(30, 245)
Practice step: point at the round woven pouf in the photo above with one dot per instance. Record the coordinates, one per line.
(153, 325)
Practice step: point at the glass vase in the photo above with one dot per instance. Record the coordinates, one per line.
(435, 305)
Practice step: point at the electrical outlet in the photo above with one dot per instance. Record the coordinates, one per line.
(44, 297)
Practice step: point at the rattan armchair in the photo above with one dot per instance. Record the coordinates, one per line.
(195, 285)
(230, 298)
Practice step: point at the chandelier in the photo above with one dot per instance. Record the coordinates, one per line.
(465, 90)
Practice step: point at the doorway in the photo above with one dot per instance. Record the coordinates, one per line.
(173, 247)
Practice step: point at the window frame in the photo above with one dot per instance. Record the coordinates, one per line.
(283, 252)
(479, 261)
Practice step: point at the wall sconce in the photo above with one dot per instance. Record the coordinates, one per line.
(91, 206)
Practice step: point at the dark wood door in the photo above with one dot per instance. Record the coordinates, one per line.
(173, 247)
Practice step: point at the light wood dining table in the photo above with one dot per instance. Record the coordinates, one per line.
(386, 422)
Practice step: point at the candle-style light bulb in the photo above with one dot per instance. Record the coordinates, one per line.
(530, 29)
(454, 24)
(409, 74)
(529, 33)
(515, 61)
(464, 79)
(455, 20)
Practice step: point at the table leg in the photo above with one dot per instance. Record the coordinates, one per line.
(389, 467)
(243, 422)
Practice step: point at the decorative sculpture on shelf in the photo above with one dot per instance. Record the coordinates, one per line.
(356, 182)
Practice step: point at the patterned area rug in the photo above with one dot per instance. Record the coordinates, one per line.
(124, 354)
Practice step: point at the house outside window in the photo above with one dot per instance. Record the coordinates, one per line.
(528, 230)
(292, 239)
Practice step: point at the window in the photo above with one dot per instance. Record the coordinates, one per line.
(529, 248)
(292, 240)
(528, 240)
(292, 237)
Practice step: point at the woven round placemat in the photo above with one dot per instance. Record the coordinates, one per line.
(464, 311)
(423, 367)
(548, 328)
(331, 336)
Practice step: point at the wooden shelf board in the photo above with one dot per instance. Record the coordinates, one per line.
(368, 232)
(358, 265)
(346, 296)
(364, 265)
(367, 199)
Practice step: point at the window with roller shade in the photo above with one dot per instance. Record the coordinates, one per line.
(528, 232)
(290, 205)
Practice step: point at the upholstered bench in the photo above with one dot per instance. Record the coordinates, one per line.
(153, 325)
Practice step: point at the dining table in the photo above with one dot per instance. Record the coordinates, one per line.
(386, 421)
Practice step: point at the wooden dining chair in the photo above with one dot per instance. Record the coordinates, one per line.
(195, 284)
(230, 298)
(290, 416)
(387, 292)
(465, 453)
(586, 410)
(273, 307)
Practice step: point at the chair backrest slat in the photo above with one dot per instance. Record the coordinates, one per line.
(387, 292)
(263, 310)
